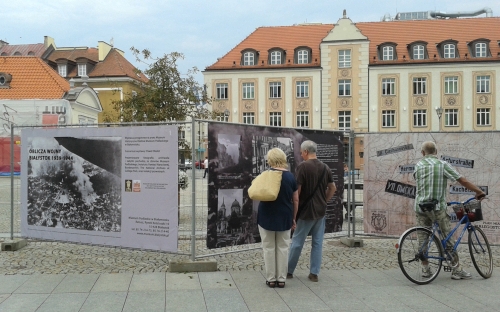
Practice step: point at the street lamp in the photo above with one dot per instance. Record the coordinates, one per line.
(439, 112)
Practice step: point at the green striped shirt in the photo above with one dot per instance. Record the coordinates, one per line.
(431, 175)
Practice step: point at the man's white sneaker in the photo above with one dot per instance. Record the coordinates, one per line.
(426, 272)
(460, 274)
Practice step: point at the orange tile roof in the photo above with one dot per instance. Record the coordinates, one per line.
(36, 49)
(72, 54)
(463, 30)
(433, 32)
(32, 78)
(287, 38)
(114, 65)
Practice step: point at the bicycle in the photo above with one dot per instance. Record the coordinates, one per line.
(420, 244)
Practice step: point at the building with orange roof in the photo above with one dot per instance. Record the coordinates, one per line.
(395, 75)
(32, 93)
(104, 68)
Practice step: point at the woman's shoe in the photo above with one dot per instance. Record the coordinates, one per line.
(281, 284)
(271, 284)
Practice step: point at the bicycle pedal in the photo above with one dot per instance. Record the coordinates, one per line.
(447, 268)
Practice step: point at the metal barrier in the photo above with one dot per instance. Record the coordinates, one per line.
(193, 200)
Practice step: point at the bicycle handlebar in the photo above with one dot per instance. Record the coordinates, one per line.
(459, 203)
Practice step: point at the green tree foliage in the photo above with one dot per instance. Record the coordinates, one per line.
(167, 95)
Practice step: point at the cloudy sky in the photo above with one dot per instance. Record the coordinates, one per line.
(202, 30)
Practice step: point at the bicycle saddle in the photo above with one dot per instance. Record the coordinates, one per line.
(428, 205)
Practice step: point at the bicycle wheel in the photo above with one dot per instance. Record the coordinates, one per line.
(480, 252)
(416, 246)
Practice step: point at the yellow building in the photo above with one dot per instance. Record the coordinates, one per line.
(104, 68)
(387, 76)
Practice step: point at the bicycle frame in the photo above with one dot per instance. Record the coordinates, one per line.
(437, 230)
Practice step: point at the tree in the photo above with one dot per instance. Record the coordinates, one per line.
(168, 95)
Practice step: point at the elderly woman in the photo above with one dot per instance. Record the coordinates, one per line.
(275, 220)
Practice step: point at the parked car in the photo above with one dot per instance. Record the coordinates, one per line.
(199, 163)
(186, 165)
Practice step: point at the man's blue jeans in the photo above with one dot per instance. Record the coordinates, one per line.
(317, 230)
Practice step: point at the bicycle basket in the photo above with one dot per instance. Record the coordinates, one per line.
(473, 210)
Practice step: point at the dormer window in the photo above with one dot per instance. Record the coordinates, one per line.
(302, 55)
(448, 49)
(480, 48)
(418, 50)
(82, 70)
(276, 57)
(249, 58)
(387, 52)
(62, 70)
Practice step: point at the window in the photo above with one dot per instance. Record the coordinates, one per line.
(222, 117)
(275, 89)
(419, 118)
(451, 117)
(275, 58)
(388, 53)
(483, 84)
(182, 135)
(388, 86)
(418, 52)
(302, 89)
(483, 116)
(303, 57)
(345, 87)
(449, 50)
(451, 85)
(388, 118)
(275, 119)
(84, 120)
(248, 59)
(61, 69)
(248, 90)
(82, 70)
(481, 50)
(221, 91)
(249, 118)
(345, 120)
(344, 58)
(419, 86)
(303, 119)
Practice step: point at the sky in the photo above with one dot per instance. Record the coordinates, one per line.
(202, 30)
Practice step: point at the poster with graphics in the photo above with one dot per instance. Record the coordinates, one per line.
(89, 185)
(237, 154)
(389, 187)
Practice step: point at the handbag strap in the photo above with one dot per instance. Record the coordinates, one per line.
(306, 201)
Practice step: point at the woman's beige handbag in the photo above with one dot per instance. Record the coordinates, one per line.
(266, 186)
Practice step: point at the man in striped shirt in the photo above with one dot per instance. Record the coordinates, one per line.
(431, 176)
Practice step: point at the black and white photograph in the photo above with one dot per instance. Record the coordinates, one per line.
(71, 186)
(262, 144)
(234, 219)
(228, 150)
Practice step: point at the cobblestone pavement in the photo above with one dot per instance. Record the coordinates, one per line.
(42, 257)
(61, 258)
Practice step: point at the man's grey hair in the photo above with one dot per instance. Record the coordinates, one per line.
(429, 148)
(309, 146)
